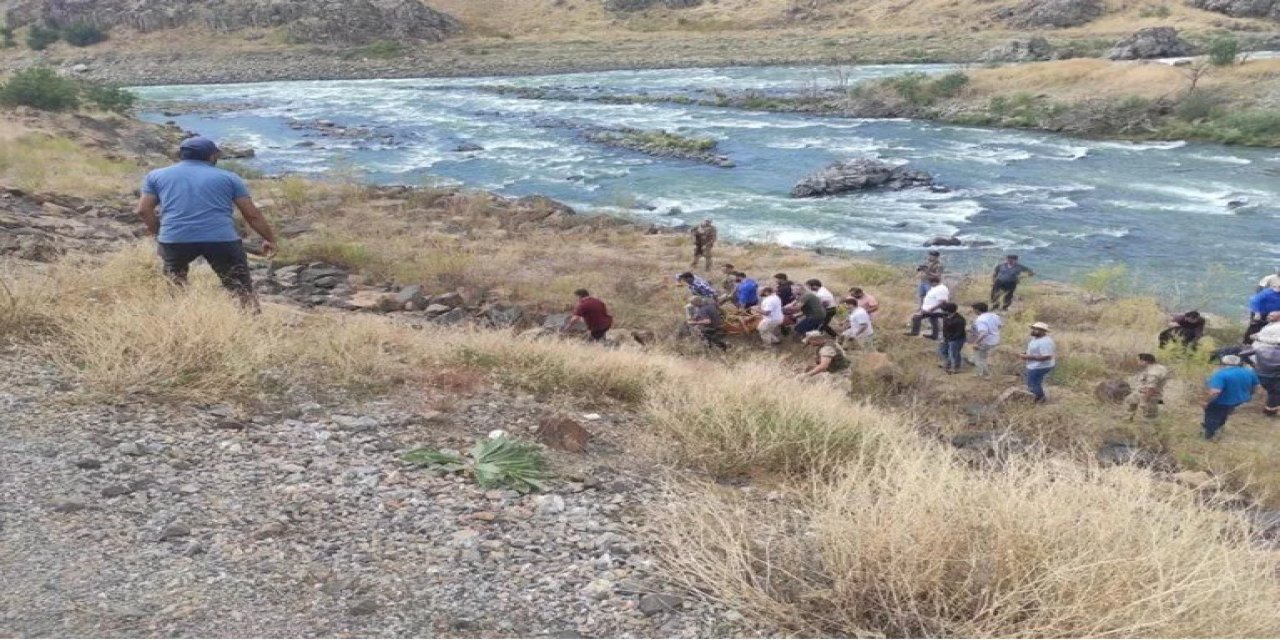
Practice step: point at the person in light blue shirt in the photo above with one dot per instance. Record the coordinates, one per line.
(747, 293)
(1229, 387)
(196, 201)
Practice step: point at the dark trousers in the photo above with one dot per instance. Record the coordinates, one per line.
(1215, 418)
(934, 323)
(228, 260)
(1271, 384)
(714, 338)
(949, 351)
(806, 325)
(1255, 325)
(826, 323)
(1005, 288)
(598, 334)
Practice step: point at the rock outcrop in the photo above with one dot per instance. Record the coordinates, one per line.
(1153, 42)
(1056, 14)
(1241, 8)
(859, 174)
(1020, 50)
(312, 21)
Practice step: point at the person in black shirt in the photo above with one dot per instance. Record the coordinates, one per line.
(1186, 328)
(954, 335)
(784, 288)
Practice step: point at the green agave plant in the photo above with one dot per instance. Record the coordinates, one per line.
(493, 463)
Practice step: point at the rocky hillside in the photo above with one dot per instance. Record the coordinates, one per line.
(309, 21)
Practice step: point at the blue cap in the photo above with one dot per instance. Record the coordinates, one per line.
(199, 146)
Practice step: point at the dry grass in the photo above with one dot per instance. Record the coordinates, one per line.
(1081, 79)
(40, 162)
(909, 544)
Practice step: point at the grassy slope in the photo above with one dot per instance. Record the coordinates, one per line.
(112, 325)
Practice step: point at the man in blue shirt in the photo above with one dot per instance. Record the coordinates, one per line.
(197, 201)
(747, 293)
(1229, 387)
(1260, 305)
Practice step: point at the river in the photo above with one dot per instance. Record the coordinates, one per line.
(1193, 223)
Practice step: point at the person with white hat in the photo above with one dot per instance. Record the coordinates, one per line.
(1041, 358)
(1229, 387)
(1265, 356)
(829, 357)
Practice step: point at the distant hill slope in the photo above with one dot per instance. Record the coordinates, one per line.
(568, 17)
(303, 21)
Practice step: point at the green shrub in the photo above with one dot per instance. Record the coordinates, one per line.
(1223, 50)
(110, 98)
(383, 49)
(1198, 105)
(949, 85)
(6, 38)
(40, 88)
(84, 35)
(40, 37)
(1256, 127)
(493, 463)
(1158, 11)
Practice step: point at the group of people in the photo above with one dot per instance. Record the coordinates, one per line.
(198, 201)
(807, 311)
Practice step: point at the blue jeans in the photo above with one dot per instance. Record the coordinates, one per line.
(1035, 382)
(1215, 418)
(949, 351)
(805, 325)
(921, 289)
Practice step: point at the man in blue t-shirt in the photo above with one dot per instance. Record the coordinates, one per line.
(1229, 387)
(747, 293)
(197, 200)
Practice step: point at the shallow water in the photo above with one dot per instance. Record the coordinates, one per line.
(1194, 223)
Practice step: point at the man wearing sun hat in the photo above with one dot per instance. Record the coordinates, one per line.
(1041, 358)
(1229, 387)
(196, 202)
(1264, 353)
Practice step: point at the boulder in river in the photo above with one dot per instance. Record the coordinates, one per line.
(944, 241)
(1153, 42)
(859, 174)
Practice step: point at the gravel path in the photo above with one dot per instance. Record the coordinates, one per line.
(132, 519)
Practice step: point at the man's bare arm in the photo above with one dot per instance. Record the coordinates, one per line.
(258, 223)
(147, 211)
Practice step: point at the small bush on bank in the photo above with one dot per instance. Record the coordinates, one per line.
(1223, 50)
(110, 98)
(1198, 105)
(40, 37)
(6, 38)
(84, 35)
(40, 88)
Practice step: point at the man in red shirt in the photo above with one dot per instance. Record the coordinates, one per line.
(591, 312)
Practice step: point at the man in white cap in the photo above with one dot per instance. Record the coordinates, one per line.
(829, 358)
(1229, 387)
(1041, 358)
(1265, 355)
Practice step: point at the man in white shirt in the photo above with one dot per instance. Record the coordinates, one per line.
(859, 331)
(985, 337)
(937, 294)
(1270, 282)
(1041, 357)
(771, 317)
(828, 302)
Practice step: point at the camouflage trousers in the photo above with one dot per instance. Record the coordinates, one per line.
(1150, 405)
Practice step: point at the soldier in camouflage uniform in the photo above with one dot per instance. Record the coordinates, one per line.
(1148, 388)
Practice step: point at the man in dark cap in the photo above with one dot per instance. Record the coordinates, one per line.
(196, 202)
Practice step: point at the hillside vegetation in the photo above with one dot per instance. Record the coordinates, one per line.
(873, 525)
